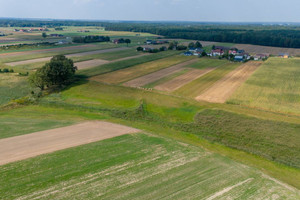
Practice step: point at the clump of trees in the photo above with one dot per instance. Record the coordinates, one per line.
(5, 70)
(195, 45)
(58, 72)
(91, 38)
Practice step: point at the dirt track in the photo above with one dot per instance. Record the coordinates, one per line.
(182, 80)
(31, 145)
(226, 86)
(155, 76)
(69, 56)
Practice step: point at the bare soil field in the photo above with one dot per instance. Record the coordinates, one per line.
(183, 79)
(226, 86)
(69, 56)
(31, 145)
(90, 63)
(149, 78)
(254, 49)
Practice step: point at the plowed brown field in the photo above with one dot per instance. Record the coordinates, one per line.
(254, 49)
(182, 80)
(30, 145)
(226, 86)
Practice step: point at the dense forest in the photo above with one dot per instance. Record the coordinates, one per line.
(258, 34)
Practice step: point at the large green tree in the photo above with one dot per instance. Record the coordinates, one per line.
(57, 73)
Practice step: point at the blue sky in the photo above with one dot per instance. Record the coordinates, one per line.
(156, 10)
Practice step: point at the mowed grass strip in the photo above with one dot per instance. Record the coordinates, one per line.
(197, 86)
(108, 56)
(136, 166)
(204, 63)
(274, 86)
(127, 74)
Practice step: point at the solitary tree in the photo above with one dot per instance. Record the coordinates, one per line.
(139, 48)
(127, 41)
(44, 35)
(58, 72)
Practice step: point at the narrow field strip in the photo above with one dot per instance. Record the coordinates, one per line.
(23, 53)
(24, 62)
(226, 86)
(130, 73)
(30, 145)
(182, 80)
(90, 63)
(155, 76)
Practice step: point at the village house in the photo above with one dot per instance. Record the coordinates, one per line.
(284, 55)
(188, 53)
(217, 52)
(260, 56)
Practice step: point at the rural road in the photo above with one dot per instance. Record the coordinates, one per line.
(31, 145)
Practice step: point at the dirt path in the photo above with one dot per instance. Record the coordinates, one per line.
(24, 62)
(155, 76)
(226, 86)
(183, 79)
(31, 145)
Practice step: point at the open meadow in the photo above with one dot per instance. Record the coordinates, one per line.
(137, 125)
(274, 86)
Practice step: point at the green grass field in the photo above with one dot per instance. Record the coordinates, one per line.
(12, 87)
(134, 167)
(274, 86)
(197, 86)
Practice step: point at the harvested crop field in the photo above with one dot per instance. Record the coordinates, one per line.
(225, 87)
(256, 49)
(149, 78)
(130, 73)
(137, 166)
(90, 63)
(182, 80)
(31, 145)
(24, 62)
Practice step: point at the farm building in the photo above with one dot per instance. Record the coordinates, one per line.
(188, 53)
(239, 58)
(284, 55)
(260, 56)
(217, 52)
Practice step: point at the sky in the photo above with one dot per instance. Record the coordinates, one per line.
(156, 10)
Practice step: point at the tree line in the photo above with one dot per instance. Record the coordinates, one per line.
(90, 39)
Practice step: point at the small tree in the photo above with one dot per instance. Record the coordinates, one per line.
(44, 35)
(191, 45)
(58, 72)
(198, 44)
(127, 41)
(139, 49)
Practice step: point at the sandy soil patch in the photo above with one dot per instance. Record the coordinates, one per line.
(30, 145)
(155, 76)
(226, 86)
(254, 49)
(183, 79)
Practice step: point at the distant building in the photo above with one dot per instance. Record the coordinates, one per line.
(217, 52)
(260, 56)
(56, 35)
(284, 55)
(188, 53)
(239, 58)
